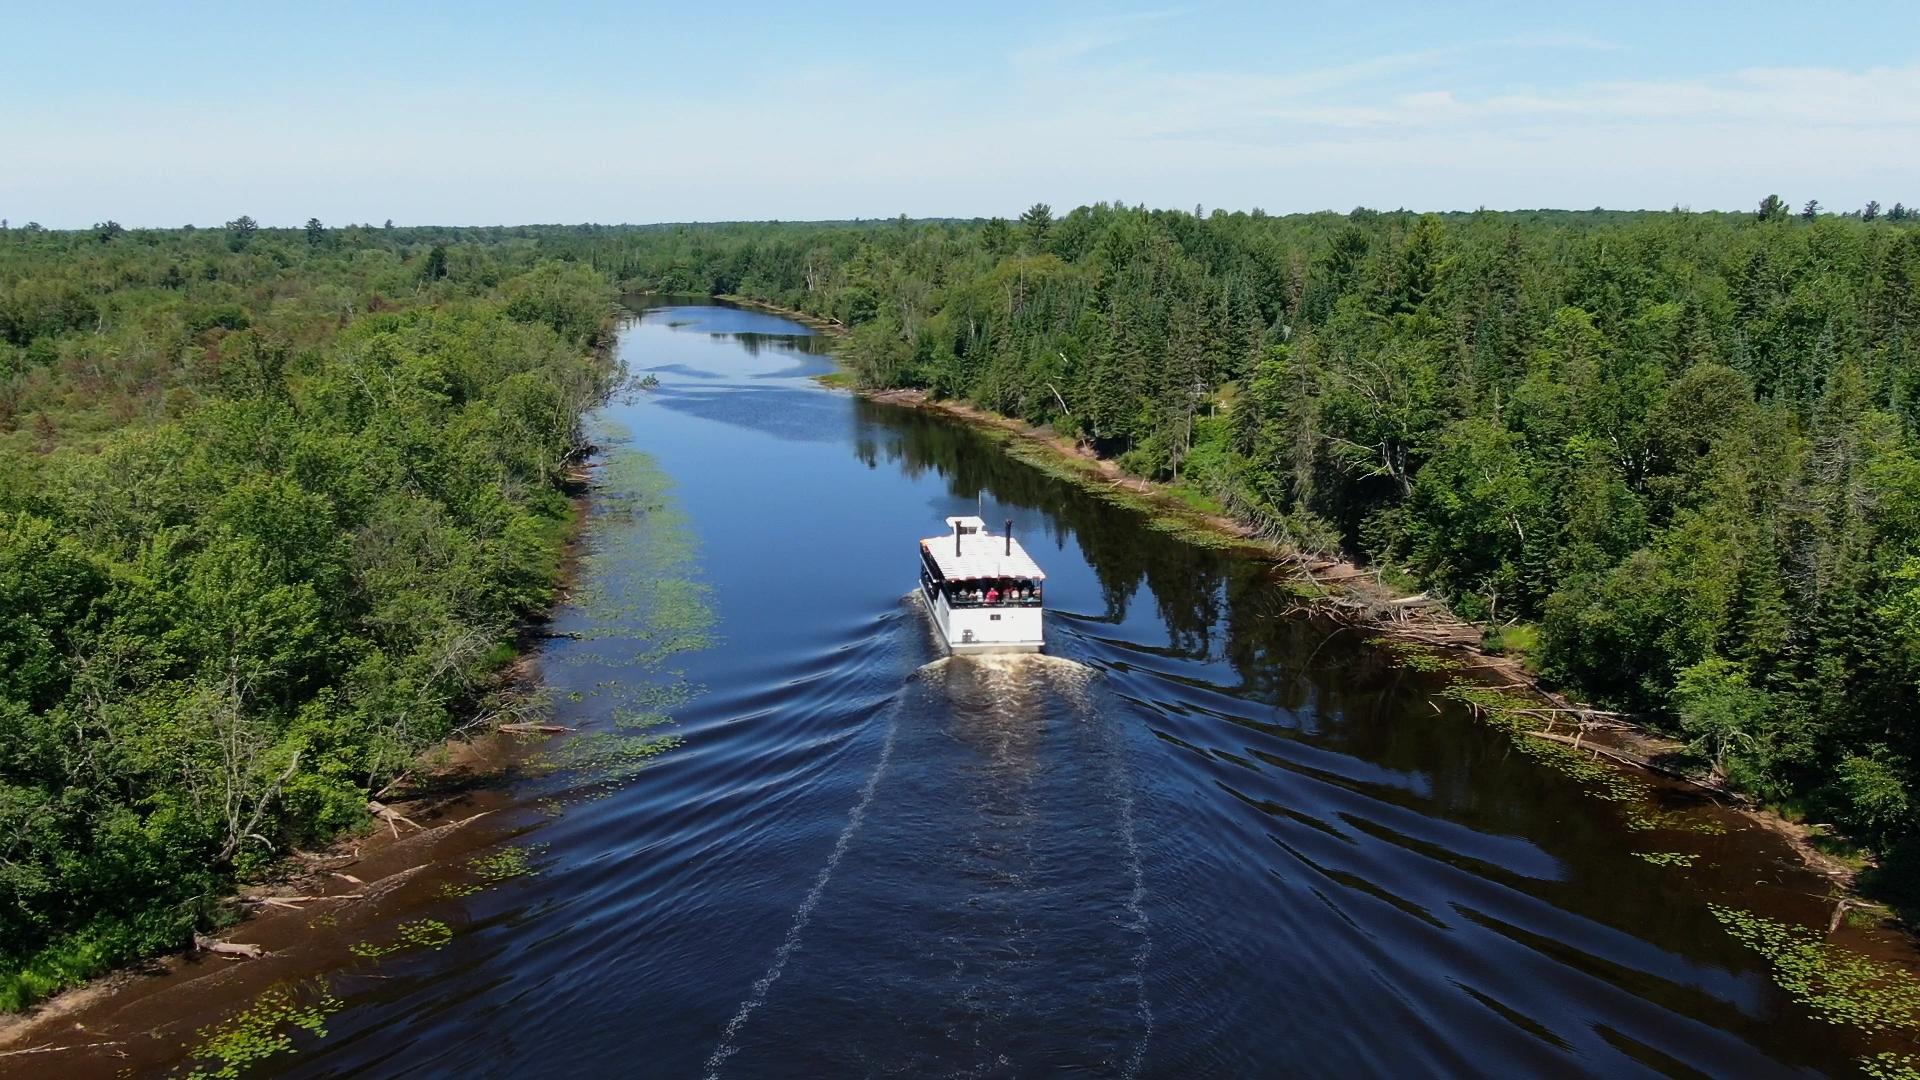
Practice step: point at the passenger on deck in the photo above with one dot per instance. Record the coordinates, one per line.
(993, 595)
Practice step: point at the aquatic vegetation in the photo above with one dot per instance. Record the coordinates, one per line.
(261, 1030)
(1522, 718)
(494, 868)
(1889, 1065)
(1648, 819)
(643, 602)
(1495, 706)
(502, 865)
(416, 934)
(1666, 858)
(638, 587)
(1840, 986)
(1418, 657)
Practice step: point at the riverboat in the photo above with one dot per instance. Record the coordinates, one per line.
(983, 591)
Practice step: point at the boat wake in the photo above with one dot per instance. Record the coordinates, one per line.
(1121, 785)
(995, 666)
(729, 1036)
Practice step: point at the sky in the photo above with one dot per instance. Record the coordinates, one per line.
(489, 113)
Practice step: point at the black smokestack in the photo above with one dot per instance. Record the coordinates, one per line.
(956, 539)
(1009, 536)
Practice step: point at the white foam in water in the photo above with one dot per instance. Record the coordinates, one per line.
(1121, 788)
(730, 1035)
(1137, 908)
(1007, 675)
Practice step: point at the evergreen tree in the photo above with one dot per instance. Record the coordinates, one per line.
(1035, 223)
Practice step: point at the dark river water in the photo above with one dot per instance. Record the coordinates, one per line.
(1204, 836)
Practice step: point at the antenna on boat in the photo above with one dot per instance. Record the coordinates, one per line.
(1009, 536)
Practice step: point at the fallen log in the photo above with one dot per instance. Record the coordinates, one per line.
(390, 816)
(228, 948)
(535, 728)
(1600, 751)
(294, 902)
(60, 1049)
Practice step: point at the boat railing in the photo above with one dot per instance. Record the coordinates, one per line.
(960, 601)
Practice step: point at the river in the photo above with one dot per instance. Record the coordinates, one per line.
(1205, 835)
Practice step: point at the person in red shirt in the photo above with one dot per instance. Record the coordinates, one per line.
(993, 595)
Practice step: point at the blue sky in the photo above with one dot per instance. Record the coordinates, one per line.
(483, 113)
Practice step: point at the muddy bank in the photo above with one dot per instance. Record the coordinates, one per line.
(303, 927)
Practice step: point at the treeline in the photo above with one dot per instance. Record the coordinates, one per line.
(1680, 448)
(272, 506)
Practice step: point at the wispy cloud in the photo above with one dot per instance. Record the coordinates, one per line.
(1089, 110)
(1081, 39)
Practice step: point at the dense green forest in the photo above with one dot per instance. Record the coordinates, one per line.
(1680, 451)
(272, 507)
(272, 502)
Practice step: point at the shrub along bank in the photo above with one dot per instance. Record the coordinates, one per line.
(272, 506)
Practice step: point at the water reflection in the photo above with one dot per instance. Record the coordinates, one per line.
(1203, 835)
(1440, 861)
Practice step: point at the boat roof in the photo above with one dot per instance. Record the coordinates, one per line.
(980, 555)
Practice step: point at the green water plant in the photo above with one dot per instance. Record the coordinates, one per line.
(262, 1030)
(1890, 1065)
(415, 934)
(1417, 657)
(1840, 986)
(493, 869)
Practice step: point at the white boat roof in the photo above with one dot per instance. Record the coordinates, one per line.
(980, 555)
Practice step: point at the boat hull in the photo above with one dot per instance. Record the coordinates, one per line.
(979, 647)
(974, 631)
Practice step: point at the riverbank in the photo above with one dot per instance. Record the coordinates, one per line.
(1412, 621)
(421, 829)
(1199, 802)
(420, 801)
(815, 322)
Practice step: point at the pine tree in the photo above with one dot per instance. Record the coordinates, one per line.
(1035, 223)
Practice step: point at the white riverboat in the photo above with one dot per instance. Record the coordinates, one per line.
(984, 591)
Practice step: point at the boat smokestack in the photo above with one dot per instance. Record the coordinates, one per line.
(1009, 536)
(956, 539)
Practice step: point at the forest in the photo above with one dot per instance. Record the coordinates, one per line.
(275, 502)
(1673, 458)
(273, 507)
